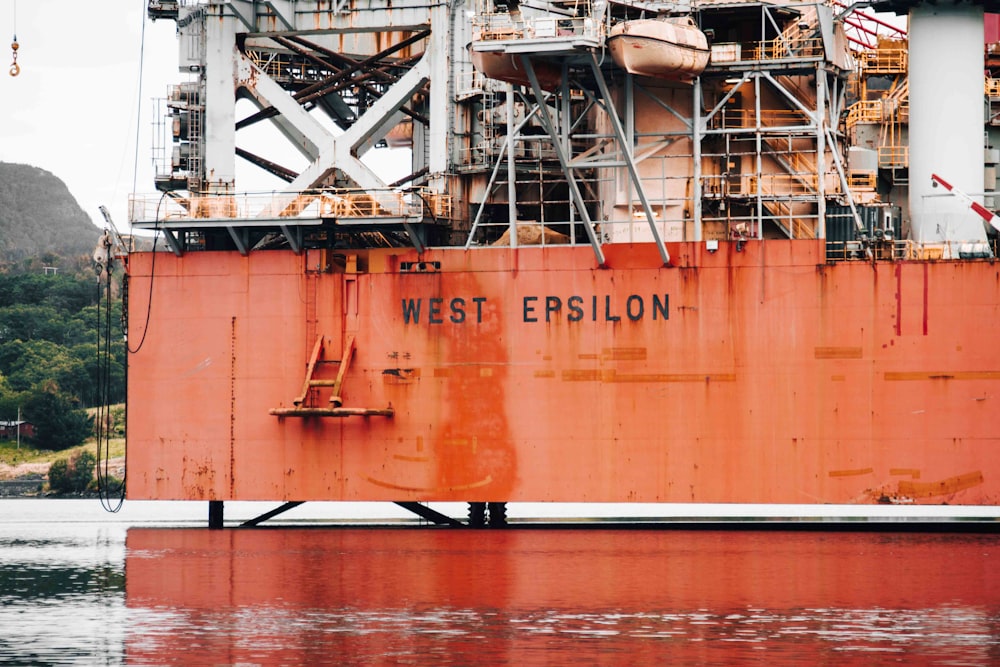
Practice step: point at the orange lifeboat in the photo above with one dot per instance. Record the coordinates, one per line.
(508, 67)
(671, 48)
(401, 135)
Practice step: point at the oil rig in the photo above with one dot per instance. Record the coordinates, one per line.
(659, 252)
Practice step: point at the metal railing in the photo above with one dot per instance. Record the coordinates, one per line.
(907, 249)
(770, 185)
(340, 204)
(747, 118)
(783, 49)
(502, 26)
(878, 111)
(864, 111)
(893, 156)
(883, 61)
(858, 179)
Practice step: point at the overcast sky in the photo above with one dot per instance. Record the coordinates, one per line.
(73, 109)
(76, 105)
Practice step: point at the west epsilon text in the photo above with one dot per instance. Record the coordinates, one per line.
(575, 308)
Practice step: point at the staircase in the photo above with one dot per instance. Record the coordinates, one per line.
(781, 211)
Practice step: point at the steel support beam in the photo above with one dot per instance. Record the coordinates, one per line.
(432, 515)
(256, 521)
(216, 510)
(574, 188)
(626, 149)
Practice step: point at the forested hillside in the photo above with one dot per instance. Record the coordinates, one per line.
(39, 218)
(52, 314)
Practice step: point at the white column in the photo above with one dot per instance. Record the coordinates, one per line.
(946, 119)
(220, 102)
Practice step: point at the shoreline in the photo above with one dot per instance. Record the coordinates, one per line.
(27, 480)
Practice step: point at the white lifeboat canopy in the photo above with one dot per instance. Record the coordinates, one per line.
(665, 48)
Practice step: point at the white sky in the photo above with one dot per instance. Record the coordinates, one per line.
(73, 108)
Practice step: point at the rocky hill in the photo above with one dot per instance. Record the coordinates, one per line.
(39, 217)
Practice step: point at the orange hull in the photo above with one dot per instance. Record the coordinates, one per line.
(762, 376)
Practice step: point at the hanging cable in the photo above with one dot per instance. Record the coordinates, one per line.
(112, 497)
(138, 97)
(15, 69)
(152, 273)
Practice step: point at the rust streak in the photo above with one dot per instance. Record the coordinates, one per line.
(958, 375)
(462, 442)
(416, 459)
(400, 375)
(611, 375)
(943, 487)
(545, 374)
(914, 473)
(581, 375)
(837, 353)
(436, 489)
(675, 377)
(624, 353)
(851, 473)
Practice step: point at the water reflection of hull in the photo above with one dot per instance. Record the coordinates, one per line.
(508, 67)
(666, 49)
(526, 597)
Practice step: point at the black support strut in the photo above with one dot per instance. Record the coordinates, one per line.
(273, 513)
(426, 512)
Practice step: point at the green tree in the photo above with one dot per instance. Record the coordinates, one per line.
(73, 475)
(10, 400)
(87, 356)
(29, 364)
(29, 321)
(59, 422)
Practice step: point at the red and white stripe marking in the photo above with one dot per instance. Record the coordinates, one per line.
(982, 211)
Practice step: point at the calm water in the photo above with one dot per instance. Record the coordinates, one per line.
(78, 587)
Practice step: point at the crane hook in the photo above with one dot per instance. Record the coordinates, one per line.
(15, 69)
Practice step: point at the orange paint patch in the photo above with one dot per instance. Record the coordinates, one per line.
(851, 473)
(837, 353)
(960, 375)
(941, 488)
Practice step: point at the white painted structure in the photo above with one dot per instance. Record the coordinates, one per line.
(946, 119)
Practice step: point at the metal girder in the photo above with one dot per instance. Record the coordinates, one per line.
(241, 238)
(266, 92)
(626, 143)
(294, 237)
(283, 173)
(791, 98)
(431, 515)
(175, 245)
(281, 509)
(504, 148)
(574, 188)
(666, 107)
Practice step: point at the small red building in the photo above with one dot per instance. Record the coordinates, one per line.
(9, 429)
